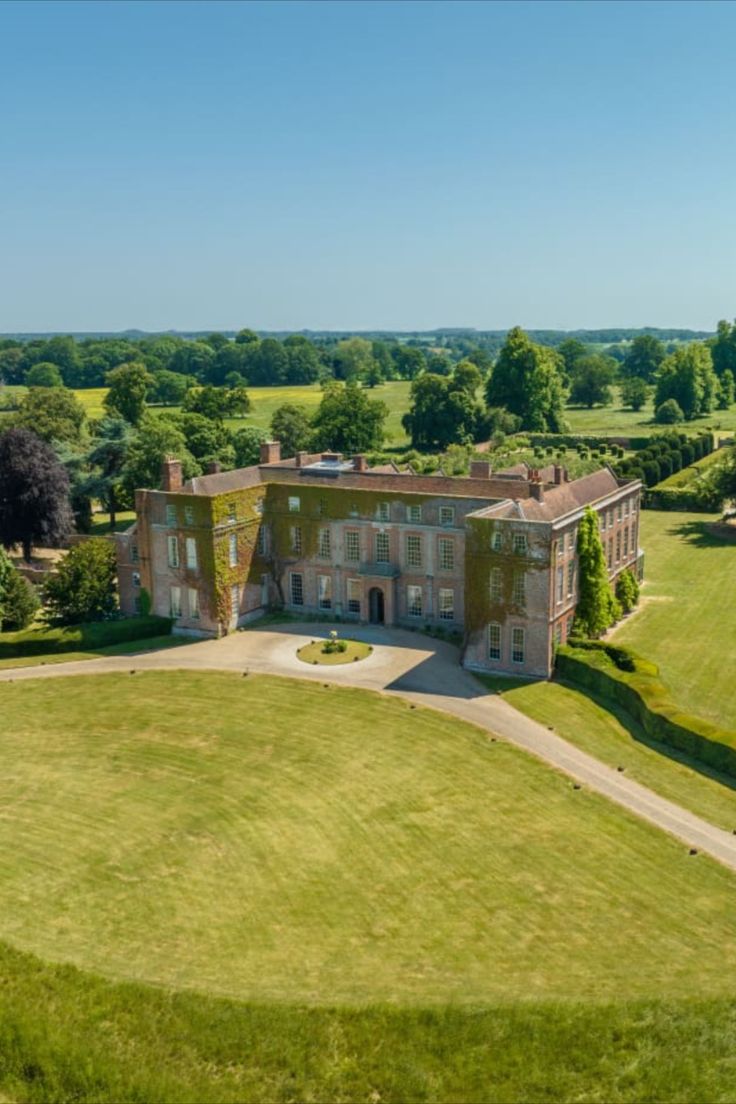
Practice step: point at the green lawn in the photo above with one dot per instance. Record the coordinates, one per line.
(687, 622)
(271, 840)
(609, 734)
(688, 474)
(617, 420)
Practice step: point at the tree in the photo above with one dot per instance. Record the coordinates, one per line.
(44, 375)
(247, 445)
(669, 413)
(268, 365)
(302, 361)
(6, 570)
(348, 421)
(247, 337)
(193, 358)
(210, 402)
(238, 401)
(83, 587)
(571, 350)
(34, 492)
(726, 390)
(353, 358)
(290, 425)
(634, 392)
(643, 358)
(409, 361)
(169, 388)
(592, 377)
(723, 349)
(207, 439)
(128, 386)
(627, 590)
(155, 439)
(52, 413)
(443, 411)
(466, 377)
(687, 376)
(526, 380)
(106, 459)
(18, 603)
(596, 607)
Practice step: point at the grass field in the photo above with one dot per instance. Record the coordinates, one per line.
(686, 623)
(271, 840)
(617, 420)
(609, 734)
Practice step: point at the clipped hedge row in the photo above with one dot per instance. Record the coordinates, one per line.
(572, 440)
(689, 501)
(619, 675)
(81, 638)
(665, 455)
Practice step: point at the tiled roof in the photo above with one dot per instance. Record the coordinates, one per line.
(568, 497)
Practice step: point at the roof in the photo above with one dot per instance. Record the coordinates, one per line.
(565, 498)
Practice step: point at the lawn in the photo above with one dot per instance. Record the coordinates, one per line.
(687, 623)
(609, 734)
(278, 841)
(689, 474)
(43, 643)
(617, 420)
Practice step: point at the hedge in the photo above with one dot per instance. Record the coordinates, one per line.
(619, 675)
(81, 638)
(572, 440)
(684, 499)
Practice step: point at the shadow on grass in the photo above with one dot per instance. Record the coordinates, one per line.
(698, 533)
(637, 733)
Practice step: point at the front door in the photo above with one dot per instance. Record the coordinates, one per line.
(375, 605)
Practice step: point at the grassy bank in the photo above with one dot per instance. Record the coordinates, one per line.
(272, 840)
(66, 1035)
(42, 643)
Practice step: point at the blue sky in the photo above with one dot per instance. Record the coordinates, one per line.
(361, 165)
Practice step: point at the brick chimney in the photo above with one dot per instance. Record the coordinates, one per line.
(360, 462)
(171, 476)
(536, 490)
(302, 458)
(480, 469)
(560, 475)
(270, 452)
(214, 467)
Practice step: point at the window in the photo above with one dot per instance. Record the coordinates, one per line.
(258, 506)
(175, 601)
(568, 626)
(297, 589)
(324, 543)
(626, 542)
(170, 516)
(560, 583)
(134, 553)
(383, 511)
(570, 578)
(610, 519)
(414, 514)
(447, 605)
(261, 541)
(495, 584)
(519, 591)
(188, 515)
(618, 511)
(173, 544)
(354, 589)
(232, 545)
(136, 578)
(295, 504)
(322, 507)
(193, 596)
(413, 550)
(354, 511)
(517, 645)
(234, 601)
(382, 555)
(520, 544)
(447, 515)
(414, 601)
(352, 545)
(447, 553)
(231, 511)
(626, 508)
(192, 553)
(296, 539)
(497, 541)
(618, 546)
(324, 589)
(558, 633)
(610, 554)
(494, 640)
(571, 540)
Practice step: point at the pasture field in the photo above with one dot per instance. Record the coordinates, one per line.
(688, 612)
(617, 420)
(271, 840)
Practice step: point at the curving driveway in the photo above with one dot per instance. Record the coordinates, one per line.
(425, 671)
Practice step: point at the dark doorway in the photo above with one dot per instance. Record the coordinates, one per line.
(375, 605)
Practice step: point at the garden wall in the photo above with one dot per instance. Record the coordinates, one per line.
(620, 676)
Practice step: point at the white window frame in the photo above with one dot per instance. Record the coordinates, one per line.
(324, 543)
(171, 516)
(382, 557)
(295, 534)
(518, 595)
(175, 601)
(136, 578)
(354, 594)
(446, 604)
(191, 553)
(293, 577)
(446, 553)
(232, 549)
(497, 541)
(521, 544)
(560, 584)
(189, 515)
(570, 578)
(383, 511)
(414, 550)
(193, 601)
(324, 592)
(352, 546)
(173, 551)
(495, 585)
(232, 512)
(414, 601)
(447, 516)
(494, 649)
(414, 514)
(518, 634)
(295, 504)
(261, 540)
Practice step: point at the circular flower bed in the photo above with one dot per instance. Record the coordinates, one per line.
(333, 650)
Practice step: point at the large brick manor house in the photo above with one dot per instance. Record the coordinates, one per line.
(491, 555)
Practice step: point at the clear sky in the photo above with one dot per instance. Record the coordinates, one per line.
(366, 165)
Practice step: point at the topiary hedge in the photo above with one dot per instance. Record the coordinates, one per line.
(619, 675)
(663, 456)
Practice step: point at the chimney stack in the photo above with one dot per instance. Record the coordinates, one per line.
(171, 476)
(560, 474)
(480, 469)
(214, 467)
(360, 462)
(301, 459)
(536, 490)
(270, 452)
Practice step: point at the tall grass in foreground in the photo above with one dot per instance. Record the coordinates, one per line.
(66, 1035)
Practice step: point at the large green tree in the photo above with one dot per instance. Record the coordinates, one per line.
(34, 492)
(128, 386)
(44, 374)
(687, 376)
(643, 358)
(526, 381)
(106, 459)
(591, 380)
(723, 349)
(348, 421)
(83, 587)
(597, 607)
(155, 439)
(52, 413)
(290, 425)
(443, 410)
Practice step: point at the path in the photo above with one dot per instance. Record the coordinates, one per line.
(424, 671)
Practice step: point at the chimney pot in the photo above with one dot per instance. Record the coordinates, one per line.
(270, 452)
(559, 474)
(171, 474)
